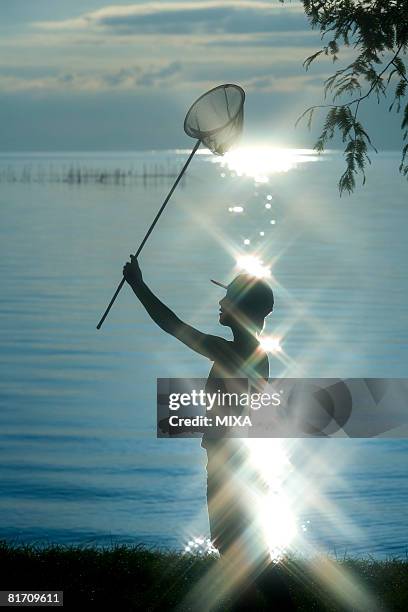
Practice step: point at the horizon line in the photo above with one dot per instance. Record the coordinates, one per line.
(172, 149)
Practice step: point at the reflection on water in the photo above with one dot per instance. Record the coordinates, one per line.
(200, 546)
(78, 454)
(273, 507)
(259, 163)
(271, 344)
(252, 265)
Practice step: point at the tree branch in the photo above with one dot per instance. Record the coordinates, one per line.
(361, 98)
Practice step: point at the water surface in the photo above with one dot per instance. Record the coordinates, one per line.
(79, 458)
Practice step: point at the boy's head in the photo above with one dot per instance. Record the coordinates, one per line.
(248, 301)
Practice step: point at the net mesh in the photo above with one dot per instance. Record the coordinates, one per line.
(216, 118)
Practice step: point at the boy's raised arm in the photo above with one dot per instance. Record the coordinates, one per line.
(205, 344)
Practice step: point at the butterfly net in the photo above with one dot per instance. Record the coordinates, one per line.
(216, 118)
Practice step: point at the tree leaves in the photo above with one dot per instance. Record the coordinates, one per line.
(342, 120)
(403, 167)
(311, 59)
(378, 31)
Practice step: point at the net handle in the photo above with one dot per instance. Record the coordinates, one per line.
(149, 231)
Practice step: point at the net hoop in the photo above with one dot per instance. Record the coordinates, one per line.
(202, 134)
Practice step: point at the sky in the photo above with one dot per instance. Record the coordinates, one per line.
(93, 75)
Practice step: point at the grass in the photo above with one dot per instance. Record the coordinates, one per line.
(122, 577)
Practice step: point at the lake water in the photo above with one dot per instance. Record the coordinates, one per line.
(79, 461)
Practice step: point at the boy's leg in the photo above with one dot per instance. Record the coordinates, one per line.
(272, 584)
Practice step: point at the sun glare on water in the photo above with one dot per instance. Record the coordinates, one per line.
(275, 514)
(261, 162)
(270, 344)
(252, 265)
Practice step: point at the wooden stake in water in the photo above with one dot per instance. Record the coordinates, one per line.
(149, 231)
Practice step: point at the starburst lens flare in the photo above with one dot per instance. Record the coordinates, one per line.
(274, 511)
(270, 344)
(200, 546)
(253, 265)
(279, 525)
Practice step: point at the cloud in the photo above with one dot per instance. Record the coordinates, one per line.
(275, 39)
(285, 85)
(130, 78)
(199, 17)
(171, 77)
(155, 77)
(59, 83)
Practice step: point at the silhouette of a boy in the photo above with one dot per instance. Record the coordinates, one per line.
(248, 300)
